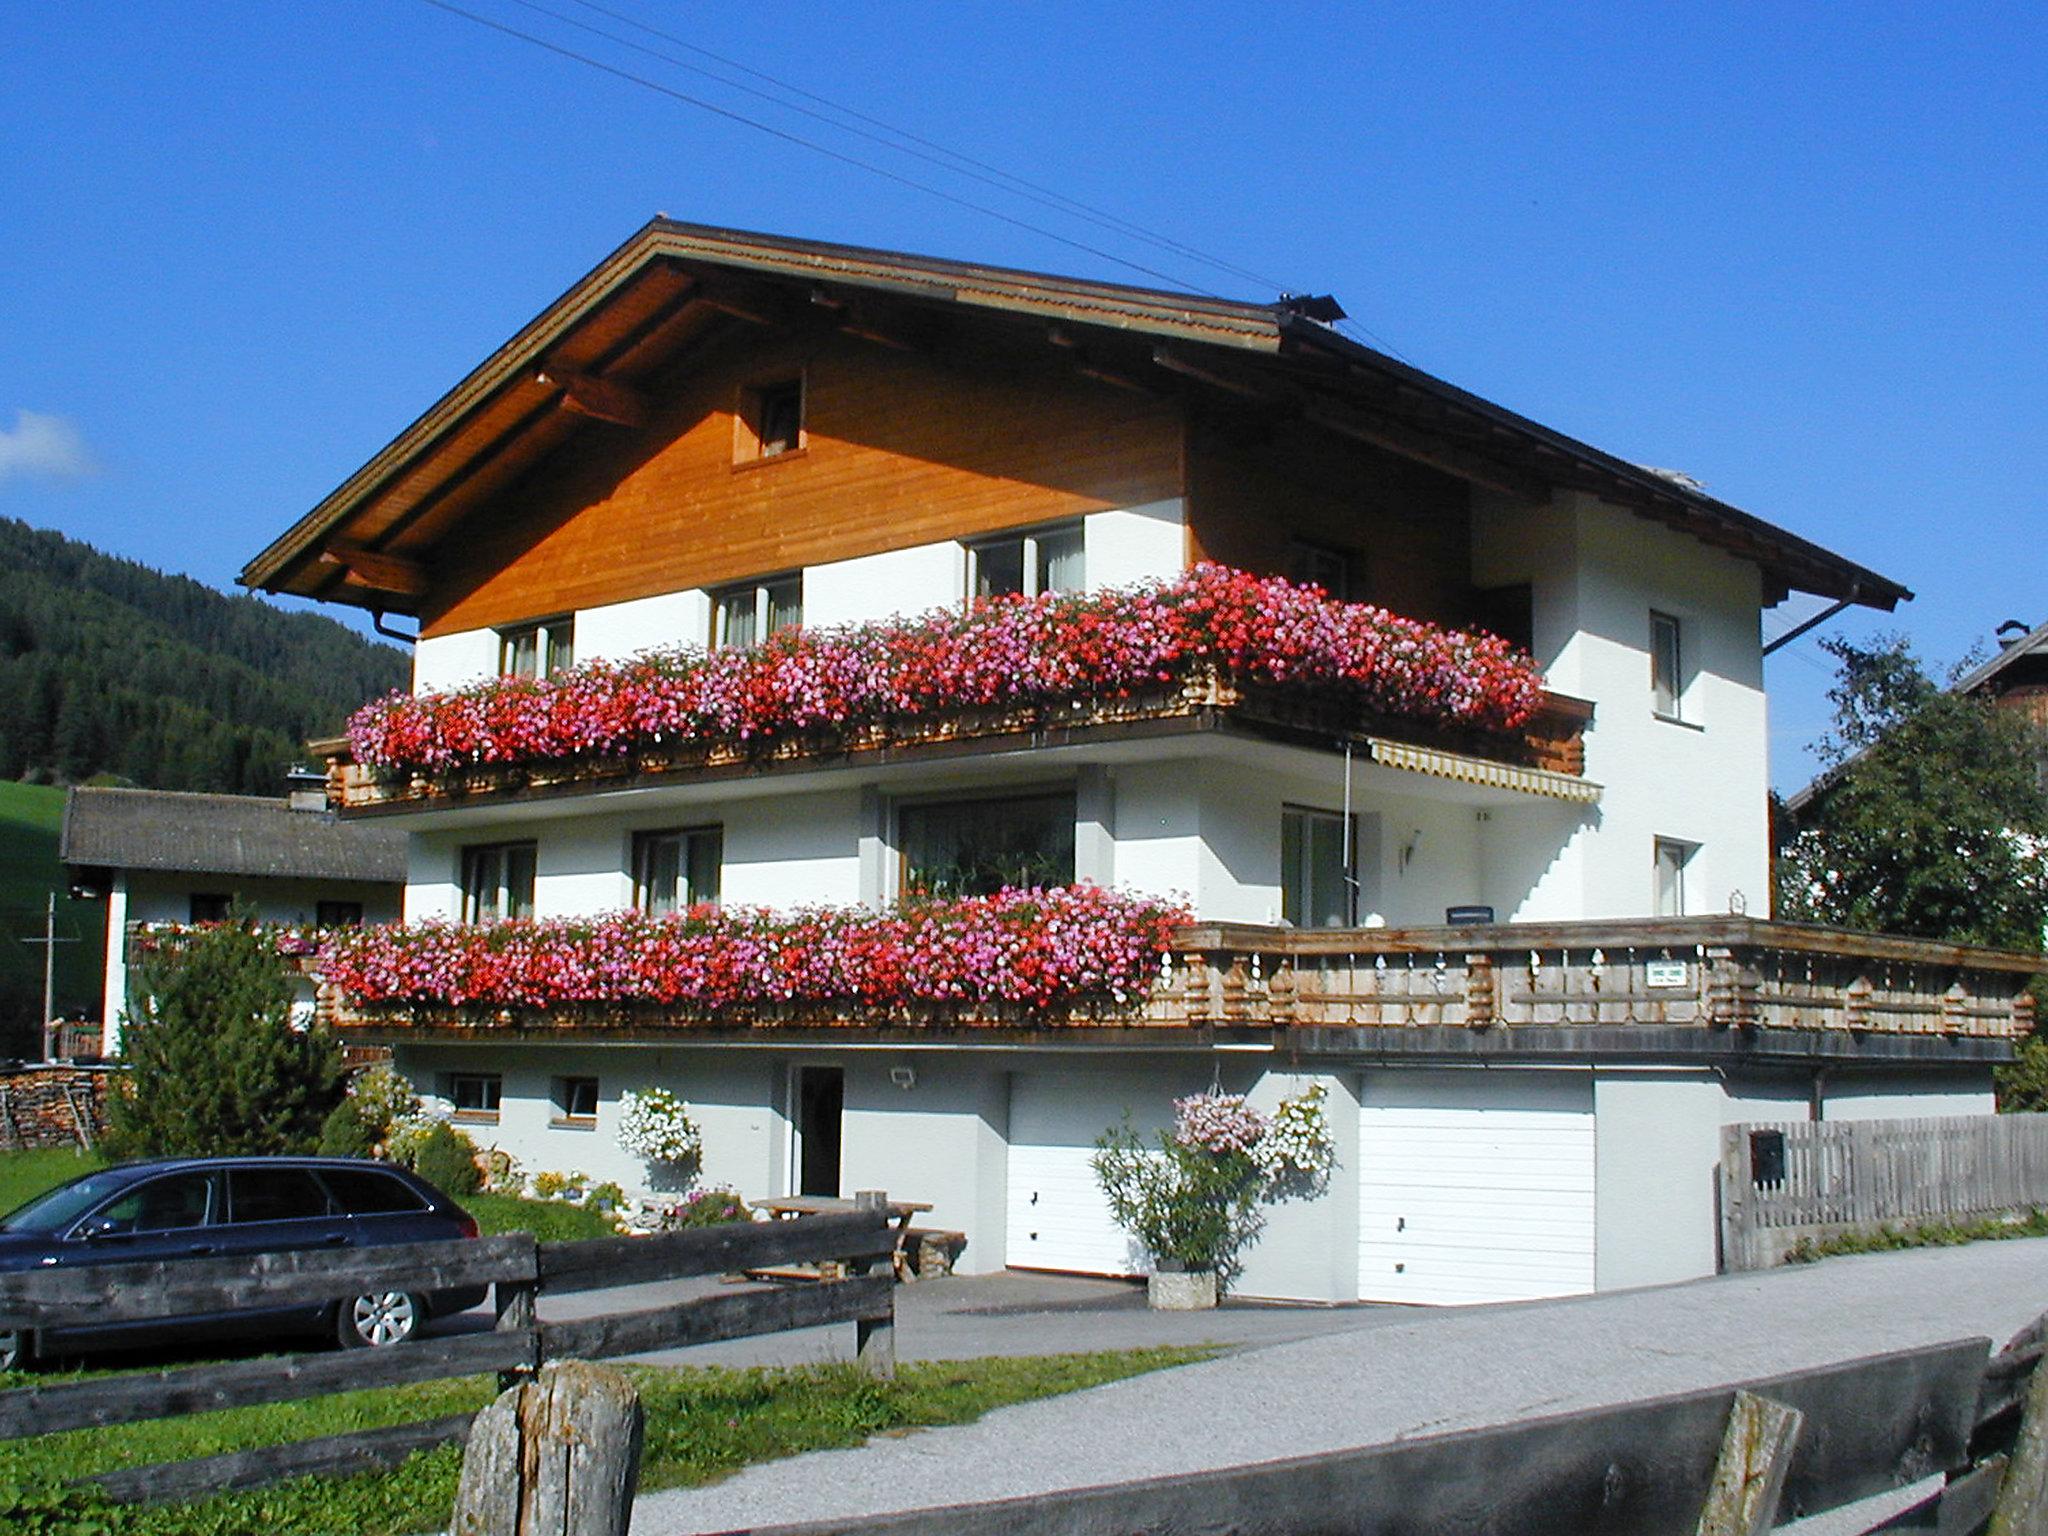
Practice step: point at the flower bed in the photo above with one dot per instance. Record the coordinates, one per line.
(1006, 651)
(1077, 947)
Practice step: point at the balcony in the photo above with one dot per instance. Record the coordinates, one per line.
(1214, 651)
(1620, 989)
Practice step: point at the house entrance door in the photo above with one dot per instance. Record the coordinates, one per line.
(819, 1096)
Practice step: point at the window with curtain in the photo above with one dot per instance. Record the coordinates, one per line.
(497, 882)
(676, 869)
(1048, 560)
(750, 611)
(978, 847)
(537, 650)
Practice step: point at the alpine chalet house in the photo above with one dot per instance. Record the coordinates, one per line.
(921, 713)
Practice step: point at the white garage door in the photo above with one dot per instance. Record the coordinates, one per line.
(1475, 1186)
(1057, 1218)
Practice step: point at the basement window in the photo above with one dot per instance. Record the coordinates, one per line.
(473, 1095)
(576, 1101)
(770, 421)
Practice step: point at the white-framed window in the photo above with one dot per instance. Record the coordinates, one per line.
(1318, 886)
(473, 1095)
(676, 868)
(497, 881)
(1322, 565)
(1667, 876)
(977, 847)
(748, 612)
(1667, 666)
(575, 1100)
(770, 421)
(1045, 560)
(539, 649)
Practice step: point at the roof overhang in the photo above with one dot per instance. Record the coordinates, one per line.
(579, 366)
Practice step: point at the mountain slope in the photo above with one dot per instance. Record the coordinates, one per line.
(109, 667)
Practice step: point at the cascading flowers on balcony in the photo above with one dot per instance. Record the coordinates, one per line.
(1077, 946)
(1001, 651)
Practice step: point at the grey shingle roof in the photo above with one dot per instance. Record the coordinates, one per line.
(222, 835)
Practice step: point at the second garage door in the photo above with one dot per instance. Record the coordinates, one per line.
(1475, 1185)
(1057, 1218)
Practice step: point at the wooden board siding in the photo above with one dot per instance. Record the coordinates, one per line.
(1409, 527)
(901, 449)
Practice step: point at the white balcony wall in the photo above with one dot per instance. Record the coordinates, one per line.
(1147, 543)
(897, 582)
(442, 663)
(618, 631)
(1597, 572)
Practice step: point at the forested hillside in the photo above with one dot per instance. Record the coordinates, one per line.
(107, 666)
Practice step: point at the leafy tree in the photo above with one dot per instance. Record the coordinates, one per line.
(216, 1066)
(1930, 821)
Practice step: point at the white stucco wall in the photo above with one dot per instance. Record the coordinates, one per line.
(1906, 1094)
(1145, 543)
(444, 662)
(895, 582)
(616, 631)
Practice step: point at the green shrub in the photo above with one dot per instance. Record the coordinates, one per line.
(385, 1098)
(446, 1159)
(347, 1132)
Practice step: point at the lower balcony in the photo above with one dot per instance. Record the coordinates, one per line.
(1643, 987)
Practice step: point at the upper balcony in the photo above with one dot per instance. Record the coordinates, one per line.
(1214, 651)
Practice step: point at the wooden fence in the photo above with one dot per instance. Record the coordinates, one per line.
(1817, 1179)
(514, 1266)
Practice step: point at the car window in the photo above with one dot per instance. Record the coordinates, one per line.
(366, 1192)
(57, 1210)
(160, 1205)
(274, 1194)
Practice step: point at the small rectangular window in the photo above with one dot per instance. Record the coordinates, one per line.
(1029, 564)
(338, 914)
(676, 869)
(1668, 886)
(497, 882)
(1317, 880)
(209, 907)
(771, 421)
(1320, 565)
(576, 1099)
(979, 847)
(748, 612)
(473, 1095)
(541, 649)
(1667, 680)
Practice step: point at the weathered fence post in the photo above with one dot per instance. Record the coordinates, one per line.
(1749, 1478)
(2022, 1505)
(513, 1300)
(558, 1455)
(875, 1338)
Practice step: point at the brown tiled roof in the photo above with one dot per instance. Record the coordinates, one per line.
(222, 835)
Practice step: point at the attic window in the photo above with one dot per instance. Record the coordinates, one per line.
(771, 421)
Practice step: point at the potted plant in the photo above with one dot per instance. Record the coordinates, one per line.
(1192, 1199)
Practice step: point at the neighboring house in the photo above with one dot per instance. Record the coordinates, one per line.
(2017, 679)
(164, 859)
(715, 436)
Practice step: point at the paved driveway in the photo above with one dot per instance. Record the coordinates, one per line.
(1366, 1376)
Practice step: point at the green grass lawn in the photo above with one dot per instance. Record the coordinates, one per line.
(30, 816)
(702, 1425)
(24, 1175)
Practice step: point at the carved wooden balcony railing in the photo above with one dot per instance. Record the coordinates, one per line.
(1552, 742)
(1730, 974)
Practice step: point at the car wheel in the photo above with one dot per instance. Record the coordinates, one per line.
(379, 1318)
(17, 1349)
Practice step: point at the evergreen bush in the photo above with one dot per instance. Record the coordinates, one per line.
(347, 1132)
(446, 1159)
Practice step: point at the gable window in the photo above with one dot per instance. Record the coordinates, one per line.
(473, 1095)
(1320, 565)
(750, 611)
(1667, 890)
(977, 847)
(497, 882)
(676, 869)
(1048, 560)
(209, 907)
(576, 1101)
(1316, 877)
(1667, 680)
(537, 650)
(771, 421)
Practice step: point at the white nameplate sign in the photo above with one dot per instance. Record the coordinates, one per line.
(1664, 973)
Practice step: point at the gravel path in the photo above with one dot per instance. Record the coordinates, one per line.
(1424, 1373)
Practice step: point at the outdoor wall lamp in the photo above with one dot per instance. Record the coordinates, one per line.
(903, 1077)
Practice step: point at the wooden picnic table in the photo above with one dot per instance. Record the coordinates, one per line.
(793, 1207)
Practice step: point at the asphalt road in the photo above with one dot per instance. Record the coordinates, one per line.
(1366, 1376)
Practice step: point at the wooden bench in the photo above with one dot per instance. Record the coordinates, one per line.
(932, 1250)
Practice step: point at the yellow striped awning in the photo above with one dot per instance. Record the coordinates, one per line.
(1478, 770)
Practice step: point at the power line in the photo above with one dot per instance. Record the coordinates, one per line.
(812, 145)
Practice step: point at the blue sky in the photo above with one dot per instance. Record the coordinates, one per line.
(1796, 251)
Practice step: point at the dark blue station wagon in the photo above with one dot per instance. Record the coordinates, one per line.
(217, 1207)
